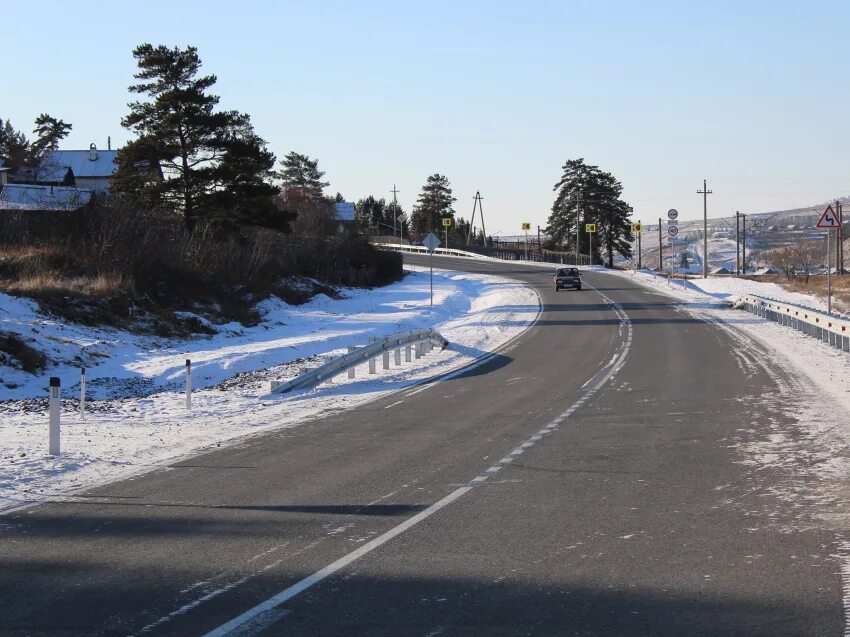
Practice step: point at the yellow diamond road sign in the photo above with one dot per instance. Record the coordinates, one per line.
(590, 227)
(526, 226)
(447, 222)
(636, 227)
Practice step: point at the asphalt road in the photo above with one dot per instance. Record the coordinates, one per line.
(588, 480)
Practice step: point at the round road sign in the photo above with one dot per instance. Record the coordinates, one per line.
(672, 213)
(672, 230)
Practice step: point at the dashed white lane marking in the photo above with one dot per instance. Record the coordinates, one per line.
(252, 621)
(398, 402)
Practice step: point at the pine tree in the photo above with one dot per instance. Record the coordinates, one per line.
(243, 193)
(434, 202)
(49, 131)
(585, 194)
(302, 174)
(14, 146)
(372, 213)
(189, 157)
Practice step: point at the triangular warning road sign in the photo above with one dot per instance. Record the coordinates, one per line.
(828, 219)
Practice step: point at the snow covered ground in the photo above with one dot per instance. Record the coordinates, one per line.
(140, 420)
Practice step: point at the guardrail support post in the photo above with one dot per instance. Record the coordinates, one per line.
(386, 359)
(407, 353)
(397, 356)
(351, 369)
(372, 366)
(53, 402)
(418, 351)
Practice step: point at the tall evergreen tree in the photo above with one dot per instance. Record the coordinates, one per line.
(434, 202)
(302, 174)
(188, 157)
(49, 132)
(585, 194)
(14, 145)
(372, 213)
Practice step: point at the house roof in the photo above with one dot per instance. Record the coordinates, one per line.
(84, 163)
(344, 211)
(28, 197)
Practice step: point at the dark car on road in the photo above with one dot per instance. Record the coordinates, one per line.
(567, 278)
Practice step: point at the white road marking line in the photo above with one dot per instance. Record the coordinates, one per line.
(273, 602)
(398, 402)
(250, 622)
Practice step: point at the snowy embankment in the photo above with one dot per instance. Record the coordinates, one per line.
(140, 422)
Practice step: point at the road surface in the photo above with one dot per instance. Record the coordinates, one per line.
(590, 479)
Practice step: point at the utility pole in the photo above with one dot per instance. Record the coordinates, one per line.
(744, 244)
(705, 192)
(737, 243)
(838, 240)
(660, 249)
(477, 204)
(395, 209)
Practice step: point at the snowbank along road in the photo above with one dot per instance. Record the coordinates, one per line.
(625, 467)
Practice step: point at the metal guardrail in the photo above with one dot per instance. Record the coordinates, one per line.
(815, 323)
(422, 249)
(357, 356)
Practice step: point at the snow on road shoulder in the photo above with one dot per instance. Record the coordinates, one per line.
(135, 433)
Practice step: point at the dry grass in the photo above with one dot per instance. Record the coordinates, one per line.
(114, 263)
(46, 284)
(816, 286)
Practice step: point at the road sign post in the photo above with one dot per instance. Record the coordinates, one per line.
(526, 226)
(636, 230)
(828, 221)
(590, 228)
(447, 223)
(431, 242)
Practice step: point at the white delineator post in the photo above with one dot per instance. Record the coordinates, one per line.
(82, 393)
(53, 402)
(188, 384)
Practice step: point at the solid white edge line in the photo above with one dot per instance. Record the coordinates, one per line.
(252, 614)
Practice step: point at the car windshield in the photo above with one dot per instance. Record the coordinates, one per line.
(567, 272)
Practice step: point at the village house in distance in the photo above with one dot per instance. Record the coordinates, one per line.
(66, 180)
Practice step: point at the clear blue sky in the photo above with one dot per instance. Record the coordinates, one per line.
(753, 96)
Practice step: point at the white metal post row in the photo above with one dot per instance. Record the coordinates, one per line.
(54, 406)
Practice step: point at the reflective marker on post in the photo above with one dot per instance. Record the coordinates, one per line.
(83, 393)
(188, 384)
(53, 402)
